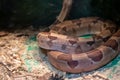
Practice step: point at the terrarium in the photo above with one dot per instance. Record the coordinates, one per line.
(59, 40)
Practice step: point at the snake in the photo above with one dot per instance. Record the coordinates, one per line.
(70, 52)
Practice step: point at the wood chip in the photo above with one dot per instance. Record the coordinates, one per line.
(3, 33)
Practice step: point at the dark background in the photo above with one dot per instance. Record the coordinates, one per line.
(44, 12)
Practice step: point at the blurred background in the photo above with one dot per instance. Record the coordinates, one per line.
(44, 12)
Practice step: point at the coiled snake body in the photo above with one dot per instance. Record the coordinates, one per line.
(74, 54)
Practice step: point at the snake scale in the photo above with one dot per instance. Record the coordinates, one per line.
(70, 52)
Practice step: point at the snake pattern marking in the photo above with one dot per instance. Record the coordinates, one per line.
(70, 53)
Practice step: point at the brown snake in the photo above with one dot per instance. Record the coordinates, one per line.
(74, 54)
